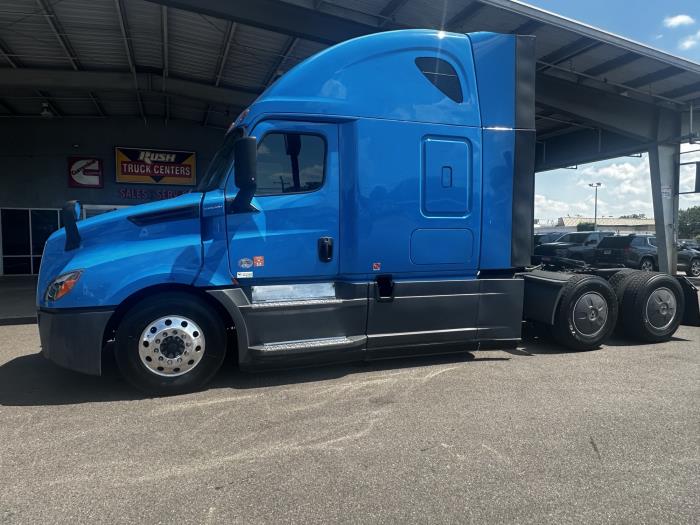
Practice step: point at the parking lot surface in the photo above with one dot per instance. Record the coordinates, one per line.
(531, 435)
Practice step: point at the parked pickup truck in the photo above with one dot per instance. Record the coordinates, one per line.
(640, 251)
(376, 201)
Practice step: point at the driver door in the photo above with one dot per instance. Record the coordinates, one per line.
(285, 253)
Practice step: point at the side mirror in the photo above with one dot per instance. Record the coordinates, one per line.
(245, 161)
(245, 157)
(70, 215)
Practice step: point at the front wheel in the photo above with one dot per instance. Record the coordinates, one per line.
(170, 343)
(586, 314)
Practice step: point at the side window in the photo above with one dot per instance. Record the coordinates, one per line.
(290, 163)
(652, 241)
(637, 242)
(442, 75)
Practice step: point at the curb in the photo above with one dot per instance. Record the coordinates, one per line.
(9, 321)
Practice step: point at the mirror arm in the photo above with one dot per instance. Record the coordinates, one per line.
(241, 202)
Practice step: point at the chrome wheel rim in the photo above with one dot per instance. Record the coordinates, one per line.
(661, 308)
(695, 268)
(171, 346)
(590, 314)
(647, 266)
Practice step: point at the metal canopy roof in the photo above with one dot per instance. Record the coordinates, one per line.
(205, 60)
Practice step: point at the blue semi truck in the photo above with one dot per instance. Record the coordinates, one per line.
(376, 201)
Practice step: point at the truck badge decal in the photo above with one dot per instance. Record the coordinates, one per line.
(245, 263)
(376, 267)
(259, 261)
(244, 275)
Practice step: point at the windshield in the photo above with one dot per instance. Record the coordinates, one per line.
(220, 164)
(573, 237)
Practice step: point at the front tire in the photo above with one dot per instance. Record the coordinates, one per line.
(586, 314)
(170, 343)
(652, 307)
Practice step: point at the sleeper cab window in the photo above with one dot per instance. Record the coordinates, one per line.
(442, 75)
(290, 163)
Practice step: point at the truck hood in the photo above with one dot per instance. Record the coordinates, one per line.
(107, 235)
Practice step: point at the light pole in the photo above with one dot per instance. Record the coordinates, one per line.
(595, 185)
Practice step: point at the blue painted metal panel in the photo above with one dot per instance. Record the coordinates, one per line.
(385, 206)
(441, 246)
(497, 195)
(286, 229)
(494, 63)
(446, 177)
(376, 76)
(119, 258)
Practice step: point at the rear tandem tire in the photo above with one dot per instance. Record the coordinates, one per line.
(619, 281)
(652, 307)
(586, 314)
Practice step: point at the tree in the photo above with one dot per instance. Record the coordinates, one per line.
(585, 227)
(634, 216)
(689, 223)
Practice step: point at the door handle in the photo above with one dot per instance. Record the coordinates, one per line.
(325, 249)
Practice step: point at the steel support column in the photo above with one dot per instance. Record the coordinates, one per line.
(665, 173)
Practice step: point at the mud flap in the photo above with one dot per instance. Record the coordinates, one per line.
(691, 316)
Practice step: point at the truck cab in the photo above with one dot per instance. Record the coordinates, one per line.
(375, 201)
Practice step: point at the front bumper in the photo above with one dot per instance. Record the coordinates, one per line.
(72, 338)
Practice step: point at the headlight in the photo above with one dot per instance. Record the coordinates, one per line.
(62, 284)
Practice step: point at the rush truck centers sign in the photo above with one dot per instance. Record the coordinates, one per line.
(155, 166)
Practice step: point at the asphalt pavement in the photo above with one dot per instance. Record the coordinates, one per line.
(533, 435)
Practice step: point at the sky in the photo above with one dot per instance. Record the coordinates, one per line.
(669, 25)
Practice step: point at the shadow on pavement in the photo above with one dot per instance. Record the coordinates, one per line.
(32, 380)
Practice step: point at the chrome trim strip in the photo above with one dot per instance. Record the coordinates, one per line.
(293, 292)
(445, 331)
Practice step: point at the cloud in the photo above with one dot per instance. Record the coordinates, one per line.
(545, 207)
(690, 41)
(678, 21)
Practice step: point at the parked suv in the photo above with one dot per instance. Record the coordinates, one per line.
(639, 251)
(576, 245)
(541, 238)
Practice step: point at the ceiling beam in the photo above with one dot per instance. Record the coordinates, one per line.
(527, 28)
(7, 55)
(613, 63)
(683, 91)
(569, 51)
(656, 76)
(126, 38)
(567, 24)
(389, 10)
(109, 81)
(457, 21)
(282, 17)
(68, 50)
(288, 49)
(611, 111)
(165, 53)
(8, 108)
(59, 33)
(583, 146)
(221, 63)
